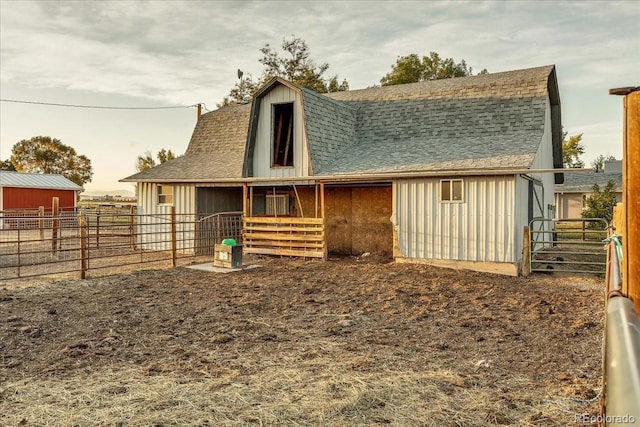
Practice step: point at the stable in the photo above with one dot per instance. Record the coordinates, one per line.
(27, 191)
(445, 172)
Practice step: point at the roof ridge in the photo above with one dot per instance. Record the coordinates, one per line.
(445, 88)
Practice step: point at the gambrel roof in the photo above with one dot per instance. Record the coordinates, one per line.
(491, 121)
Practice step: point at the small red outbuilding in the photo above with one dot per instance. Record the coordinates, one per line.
(31, 190)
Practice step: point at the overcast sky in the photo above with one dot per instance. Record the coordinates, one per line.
(162, 53)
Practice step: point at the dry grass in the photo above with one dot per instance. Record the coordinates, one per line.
(292, 394)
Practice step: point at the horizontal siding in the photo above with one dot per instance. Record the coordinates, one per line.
(478, 229)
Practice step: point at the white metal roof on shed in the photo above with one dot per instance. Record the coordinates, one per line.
(36, 180)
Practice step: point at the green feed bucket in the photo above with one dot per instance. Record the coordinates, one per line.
(229, 242)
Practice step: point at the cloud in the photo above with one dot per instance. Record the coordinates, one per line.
(172, 52)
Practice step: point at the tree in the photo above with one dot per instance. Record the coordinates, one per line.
(165, 155)
(601, 203)
(6, 165)
(295, 66)
(598, 163)
(43, 154)
(146, 161)
(412, 69)
(571, 151)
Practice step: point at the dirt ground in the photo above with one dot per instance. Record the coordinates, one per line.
(301, 343)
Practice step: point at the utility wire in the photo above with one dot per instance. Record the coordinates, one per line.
(95, 106)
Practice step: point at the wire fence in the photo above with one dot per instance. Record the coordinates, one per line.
(83, 242)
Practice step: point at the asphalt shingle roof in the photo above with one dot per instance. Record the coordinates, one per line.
(405, 135)
(216, 149)
(485, 121)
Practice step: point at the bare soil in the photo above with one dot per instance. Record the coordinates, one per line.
(352, 341)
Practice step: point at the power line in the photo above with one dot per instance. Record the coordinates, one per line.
(95, 106)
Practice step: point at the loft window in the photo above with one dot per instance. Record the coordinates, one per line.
(282, 135)
(451, 190)
(165, 194)
(277, 204)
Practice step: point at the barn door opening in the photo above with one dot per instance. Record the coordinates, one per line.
(219, 216)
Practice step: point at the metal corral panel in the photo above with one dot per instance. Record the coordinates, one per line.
(480, 228)
(263, 151)
(154, 225)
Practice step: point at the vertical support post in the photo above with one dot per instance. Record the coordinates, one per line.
(244, 199)
(82, 223)
(250, 201)
(244, 213)
(316, 190)
(324, 222)
(631, 195)
(41, 222)
(275, 207)
(132, 227)
(583, 234)
(55, 223)
(526, 252)
(174, 246)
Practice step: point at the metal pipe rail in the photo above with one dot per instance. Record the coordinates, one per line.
(622, 350)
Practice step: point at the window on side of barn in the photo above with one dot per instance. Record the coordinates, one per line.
(451, 190)
(277, 204)
(165, 194)
(282, 146)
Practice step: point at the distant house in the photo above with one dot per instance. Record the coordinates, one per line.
(32, 190)
(570, 196)
(446, 172)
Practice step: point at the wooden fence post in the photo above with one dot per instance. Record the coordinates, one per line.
(174, 254)
(41, 222)
(82, 223)
(55, 223)
(631, 187)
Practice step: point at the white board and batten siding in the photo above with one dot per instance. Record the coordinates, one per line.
(263, 150)
(154, 226)
(478, 229)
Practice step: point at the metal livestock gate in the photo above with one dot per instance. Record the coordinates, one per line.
(211, 229)
(568, 245)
